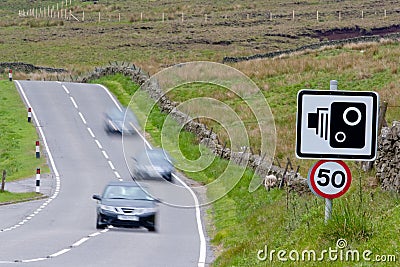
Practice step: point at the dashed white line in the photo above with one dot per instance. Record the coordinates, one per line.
(65, 89)
(91, 133)
(73, 102)
(59, 253)
(34, 260)
(80, 242)
(117, 175)
(105, 154)
(83, 118)
(111, 165)
(98, 144)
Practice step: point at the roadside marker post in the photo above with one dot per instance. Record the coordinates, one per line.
(29, 114)
(38, 180)
(37, 149)
(10, 75)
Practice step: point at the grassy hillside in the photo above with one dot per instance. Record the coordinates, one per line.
(134, 30)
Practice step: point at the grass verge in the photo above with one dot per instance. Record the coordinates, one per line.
(10, 198)
(248, 226)
(17, 139)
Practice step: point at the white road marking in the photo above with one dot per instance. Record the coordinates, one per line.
(73, 102)
(80, 242)
(34, 260)
(98, 144)
(111, 96)
(82, 117)
(105, 154)
(111, 165)
(91, 133)
(59, 253)
(65, 89)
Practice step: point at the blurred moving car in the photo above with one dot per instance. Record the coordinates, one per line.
(153, 164)
(125, 204)
(120, 121)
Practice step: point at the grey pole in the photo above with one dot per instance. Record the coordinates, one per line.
(328, 202)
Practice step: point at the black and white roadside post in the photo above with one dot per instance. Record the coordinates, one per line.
(38, 180)
(37, 149)
(332, 126)
(10, 78)
(29, 114)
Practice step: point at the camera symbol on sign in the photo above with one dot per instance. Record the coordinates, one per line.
(342, 124)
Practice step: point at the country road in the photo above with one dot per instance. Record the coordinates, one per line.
(60, 230)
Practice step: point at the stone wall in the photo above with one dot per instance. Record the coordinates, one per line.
(27, 68)
(388, 160)
(362, 39)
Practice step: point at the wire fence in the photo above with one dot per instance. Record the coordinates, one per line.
(70, 10)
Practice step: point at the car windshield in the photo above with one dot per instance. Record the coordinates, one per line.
(117, 115)
(125, 192)
(155, 157)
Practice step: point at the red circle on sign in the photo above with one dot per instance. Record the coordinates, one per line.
(324, 194)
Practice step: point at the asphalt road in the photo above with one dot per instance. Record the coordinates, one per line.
(60, 230)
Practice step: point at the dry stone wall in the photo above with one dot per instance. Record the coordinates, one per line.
(388, 159)
(361, 39)
(27, 68)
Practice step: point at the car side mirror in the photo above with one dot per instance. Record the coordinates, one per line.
(97, 197)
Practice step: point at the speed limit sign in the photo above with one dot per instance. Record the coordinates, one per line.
(329, 179)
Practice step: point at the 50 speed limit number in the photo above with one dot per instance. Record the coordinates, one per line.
(329, 179)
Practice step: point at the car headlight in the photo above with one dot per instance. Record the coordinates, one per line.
(108, 208)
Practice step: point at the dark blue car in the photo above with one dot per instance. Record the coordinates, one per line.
(125, 204)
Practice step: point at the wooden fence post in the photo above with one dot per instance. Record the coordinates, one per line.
(3, 181)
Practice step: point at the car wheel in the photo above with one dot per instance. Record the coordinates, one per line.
(151, 229)
(99, 225)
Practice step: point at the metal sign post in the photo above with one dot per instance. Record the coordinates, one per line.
(329, 202)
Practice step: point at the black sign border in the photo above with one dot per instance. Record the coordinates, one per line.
(369, 157)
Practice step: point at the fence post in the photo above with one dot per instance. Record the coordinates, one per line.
(3, 180)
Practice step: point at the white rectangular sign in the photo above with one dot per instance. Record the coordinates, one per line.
(337, 124)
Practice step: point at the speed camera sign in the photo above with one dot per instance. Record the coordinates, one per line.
(329, 179)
